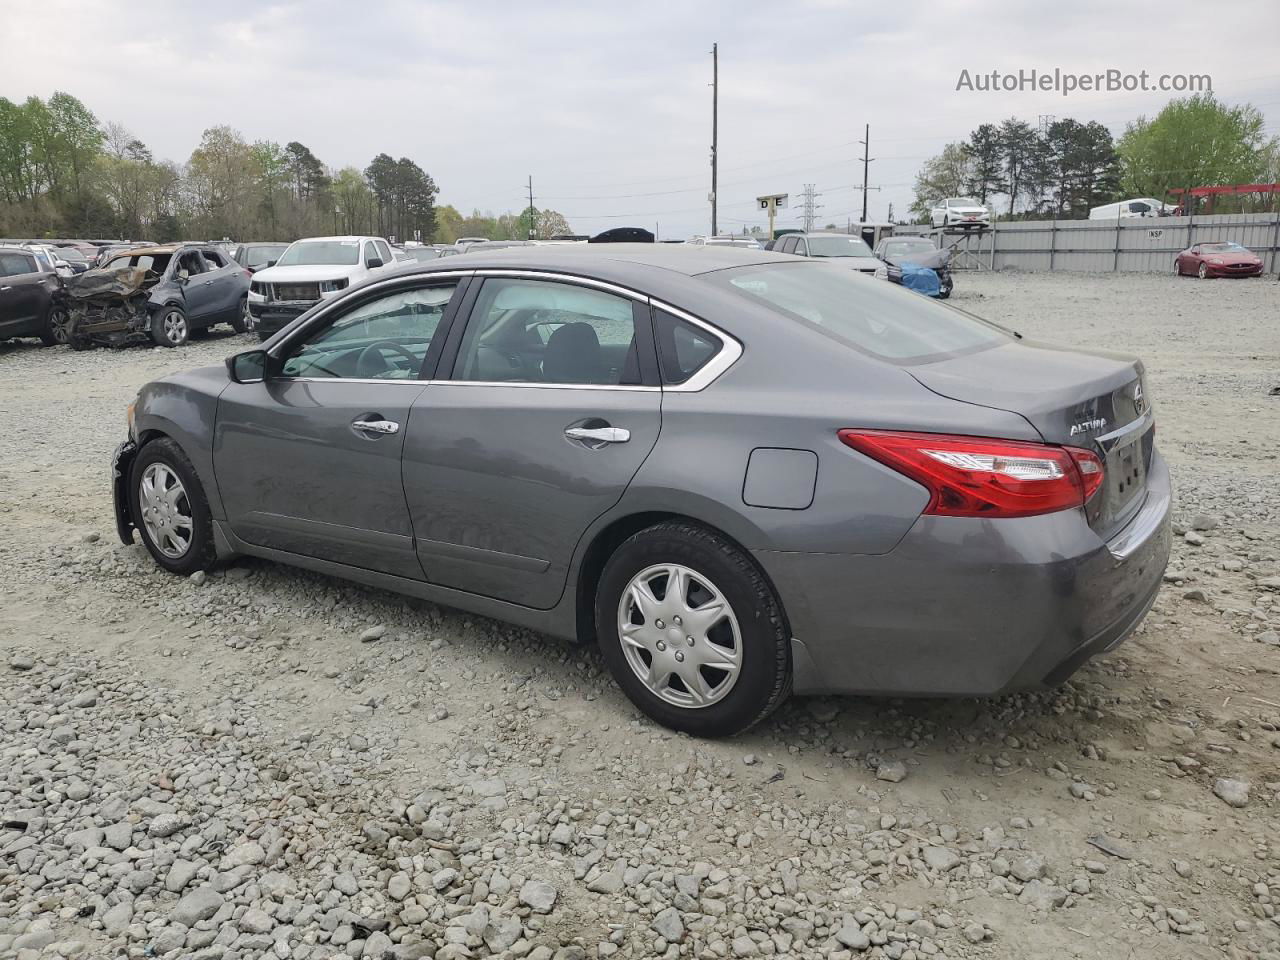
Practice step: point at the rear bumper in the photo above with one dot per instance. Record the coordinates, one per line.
(965, 607)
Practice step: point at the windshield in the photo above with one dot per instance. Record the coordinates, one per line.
(1225, 247)
(964, 202)
(71, 253)
(838, 247)
(154, 263)
(315, 252)
(878, 318)
(902, 248)
(257, 257)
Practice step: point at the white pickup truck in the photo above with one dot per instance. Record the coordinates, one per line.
(310, 270)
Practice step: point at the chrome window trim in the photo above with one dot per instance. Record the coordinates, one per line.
(529, 385)
(729, 354)
(411, 382)
(710, 371)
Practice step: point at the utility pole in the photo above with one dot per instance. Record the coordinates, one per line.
(532, 214)
(866, 161)
(715, 126)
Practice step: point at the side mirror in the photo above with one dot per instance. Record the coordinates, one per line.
(248, 367)
(373, 263)
(271, 263)
(181, 276)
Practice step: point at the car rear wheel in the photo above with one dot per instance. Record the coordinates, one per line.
(240, 322)
(692, 631)
(1203, 272)
(169, 508)
(169, 327)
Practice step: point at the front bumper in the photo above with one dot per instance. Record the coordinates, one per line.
(121, 465)
(967, 607)
(270, 316)
(1226, 270)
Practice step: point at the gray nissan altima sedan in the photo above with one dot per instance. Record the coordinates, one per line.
(741, 473)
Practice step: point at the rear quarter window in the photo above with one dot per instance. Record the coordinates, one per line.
(874, 317)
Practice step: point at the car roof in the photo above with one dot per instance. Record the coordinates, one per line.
(615, 260)
(159, 248)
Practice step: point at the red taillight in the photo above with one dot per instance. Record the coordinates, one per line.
(978, 477)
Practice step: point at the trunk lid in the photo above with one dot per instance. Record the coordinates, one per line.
(1092, 400)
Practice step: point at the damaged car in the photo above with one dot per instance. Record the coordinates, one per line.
(905, 257)
(164, 294)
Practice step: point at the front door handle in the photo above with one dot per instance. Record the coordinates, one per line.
(599, 434)
(376, 426)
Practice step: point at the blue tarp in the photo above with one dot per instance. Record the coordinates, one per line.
(921, 279)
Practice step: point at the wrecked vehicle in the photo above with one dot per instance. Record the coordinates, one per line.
(165, 294)
(902, 255)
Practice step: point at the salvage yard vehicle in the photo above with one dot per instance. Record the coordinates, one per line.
(1127, 209)
(895, 252)
(309, 271)
(164, 294)
(1221, 259)
(851, 251)
(743, 474)
(962, 212)
(32, 303)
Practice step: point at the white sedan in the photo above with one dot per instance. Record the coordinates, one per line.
(963, 212)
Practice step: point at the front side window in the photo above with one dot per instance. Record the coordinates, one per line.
(344, 253)
(384, 251)
(16, 264)
(382, 339)
(536, 331)
(880, 319)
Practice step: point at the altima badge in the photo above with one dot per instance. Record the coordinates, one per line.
(1084, 426)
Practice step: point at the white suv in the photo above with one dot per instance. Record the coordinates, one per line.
(309, 271)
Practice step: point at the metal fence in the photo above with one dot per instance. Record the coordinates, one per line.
(1140, 244)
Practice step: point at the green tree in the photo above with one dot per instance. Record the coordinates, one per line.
(1019, 149)
(1194, 141)
(78, 139)
(946, 175)
(271, 172)
(986, 175)
(220, 178)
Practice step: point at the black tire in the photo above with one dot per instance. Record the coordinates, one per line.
(169, 326)
(200, 553)
(764, 680)
(240, 322)
(945, 291)
(1203, 272)
(60, 324)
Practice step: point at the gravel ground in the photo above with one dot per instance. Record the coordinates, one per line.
(270, 763)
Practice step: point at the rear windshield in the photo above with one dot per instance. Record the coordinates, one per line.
(838, 247)
(873, 316)
(258, 257)
(314, 252)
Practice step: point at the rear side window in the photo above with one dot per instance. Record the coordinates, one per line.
(878, 318)
(683, 348)
(216, 260)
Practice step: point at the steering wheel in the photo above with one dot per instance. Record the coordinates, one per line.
(375, 348)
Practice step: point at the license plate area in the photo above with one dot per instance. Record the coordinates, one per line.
(1126, 474)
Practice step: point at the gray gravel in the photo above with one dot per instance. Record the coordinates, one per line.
(267, 763)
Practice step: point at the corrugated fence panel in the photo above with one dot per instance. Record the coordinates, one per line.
(1146, 244)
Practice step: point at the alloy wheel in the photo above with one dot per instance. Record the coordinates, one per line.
(166, 510)
(175, 326)
(60, 325)
(680, 636)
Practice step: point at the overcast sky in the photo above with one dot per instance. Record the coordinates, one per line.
(609, 108)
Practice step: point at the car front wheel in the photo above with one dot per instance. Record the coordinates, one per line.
(169, 508)
(59, 327)
(1203, 272)
(240, 323)
(169, 327)
(692, 631)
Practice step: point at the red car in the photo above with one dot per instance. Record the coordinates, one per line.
(1221, 259)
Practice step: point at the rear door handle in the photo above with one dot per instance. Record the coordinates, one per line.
(376, 426)
(599, 434)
